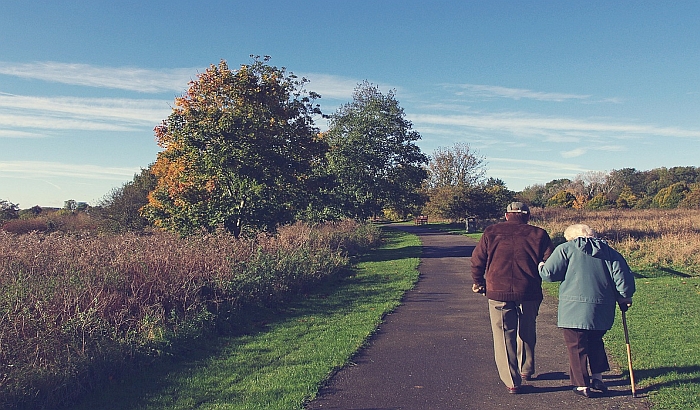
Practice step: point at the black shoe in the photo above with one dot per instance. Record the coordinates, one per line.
(526, 377)
(599, 385)
(585, 392)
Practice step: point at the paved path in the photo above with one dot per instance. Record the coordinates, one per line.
(436, 351)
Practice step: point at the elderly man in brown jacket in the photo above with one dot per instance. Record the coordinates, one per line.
(504, 266)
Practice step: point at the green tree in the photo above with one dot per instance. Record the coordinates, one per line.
(670, 196)
(121, 208)
(598, 202)
(8, 210)
(239, 152)
(562, 199)
(626, 198)
(535, 195)
(691, 200)
(373, 155)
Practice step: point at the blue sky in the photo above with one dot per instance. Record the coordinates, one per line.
(541, 89)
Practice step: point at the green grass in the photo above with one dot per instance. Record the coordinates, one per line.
(664, 332)
(292, 352)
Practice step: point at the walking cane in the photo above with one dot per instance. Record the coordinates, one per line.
(629, 351)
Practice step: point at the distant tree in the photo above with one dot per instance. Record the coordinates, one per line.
(8, 210)
(30, 213)
(534, 195)
(626, 198)
(120, 208)
(671, 196)
(562, 199)
(496, 196)
(373, 155)
(691, 200)
(599, 202)
(455, 166)
(239, 152)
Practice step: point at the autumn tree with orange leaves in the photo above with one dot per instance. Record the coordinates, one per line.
(239, 152)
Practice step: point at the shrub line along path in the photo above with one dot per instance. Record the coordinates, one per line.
(435, 351)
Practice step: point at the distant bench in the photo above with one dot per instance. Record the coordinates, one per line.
(420, 220)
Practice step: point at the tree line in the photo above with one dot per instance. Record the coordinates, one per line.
(241, 152)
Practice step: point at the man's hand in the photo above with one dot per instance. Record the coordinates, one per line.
(624, 303)
(478, 288)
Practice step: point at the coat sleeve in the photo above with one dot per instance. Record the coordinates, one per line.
(479, 259)
(554, 269)
(622, 276)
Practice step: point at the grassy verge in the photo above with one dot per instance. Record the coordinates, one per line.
(292, 352)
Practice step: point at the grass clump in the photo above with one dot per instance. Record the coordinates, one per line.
(292, 352)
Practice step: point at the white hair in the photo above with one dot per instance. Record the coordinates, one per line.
(577, 231)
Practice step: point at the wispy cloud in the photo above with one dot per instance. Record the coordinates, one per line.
(35, 169)
(525, 124)
(494, 91)
(331, 86)
(19, 134)
(574, 153)
(123, 78)
(132, 110)
(79, 113)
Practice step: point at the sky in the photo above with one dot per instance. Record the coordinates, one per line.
(542, 90)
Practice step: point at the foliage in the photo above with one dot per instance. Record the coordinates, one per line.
(626, 198)
(670, 196)
(120, 209)
(691, 200)
(79, 309)
(8, 210)
(562, 199)
(373, 155)
(598, 202)
(456, 166)
(239, 151)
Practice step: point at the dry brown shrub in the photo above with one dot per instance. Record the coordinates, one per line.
(666, 238)
(69, 301)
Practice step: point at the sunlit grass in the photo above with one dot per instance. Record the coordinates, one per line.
(292, 352)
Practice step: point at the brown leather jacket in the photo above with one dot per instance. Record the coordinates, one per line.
(506, 259)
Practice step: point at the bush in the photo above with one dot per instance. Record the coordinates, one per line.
(80, 309)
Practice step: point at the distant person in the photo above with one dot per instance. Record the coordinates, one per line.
(593, 278)
(504, 267)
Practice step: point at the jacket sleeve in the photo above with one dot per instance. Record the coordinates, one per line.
(622, 275)
(554, 268)
(479, 259)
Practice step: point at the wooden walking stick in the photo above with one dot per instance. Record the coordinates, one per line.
(629, 351)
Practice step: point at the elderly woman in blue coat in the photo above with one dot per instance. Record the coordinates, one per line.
(594, 278)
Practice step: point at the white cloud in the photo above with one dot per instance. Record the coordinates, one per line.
(525, 124)
(574, 153)
(125, 110)
(36, 169)
(19, 134)
(493, 91)
(123, 78)
(331, 86)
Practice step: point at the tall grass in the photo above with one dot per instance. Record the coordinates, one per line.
(650, 239)
(78, 309)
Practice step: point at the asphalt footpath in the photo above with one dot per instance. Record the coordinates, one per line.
(435, 351)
